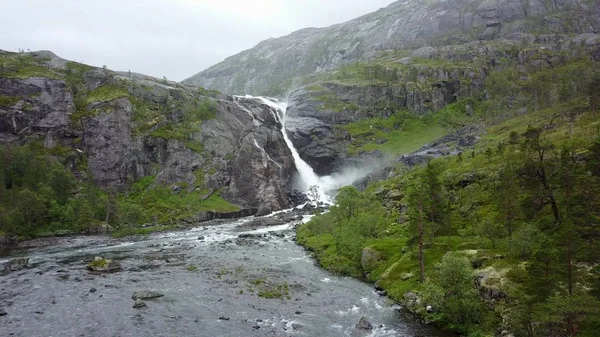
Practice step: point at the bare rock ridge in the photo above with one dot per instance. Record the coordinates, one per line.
(121, 128)
(421, 25)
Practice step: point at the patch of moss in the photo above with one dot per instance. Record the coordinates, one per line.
(8, 101)
(106, 93)
(275, 291)
(20, 65)
(98, 264)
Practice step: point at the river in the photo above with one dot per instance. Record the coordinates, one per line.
(210, 278)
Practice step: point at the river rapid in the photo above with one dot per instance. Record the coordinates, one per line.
(210, 278)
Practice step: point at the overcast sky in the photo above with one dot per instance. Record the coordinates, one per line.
(173, 38)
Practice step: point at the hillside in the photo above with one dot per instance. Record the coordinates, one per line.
(90, 147)
(275, 65)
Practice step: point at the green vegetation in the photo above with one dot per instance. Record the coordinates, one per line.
(39, 197)
(8, 101)
(13, 65)
(106, 93)
(184, 130)
(36, 194)
(160, 204)
(502, 237)
(269, 290)
(275, 291)
(403, 132)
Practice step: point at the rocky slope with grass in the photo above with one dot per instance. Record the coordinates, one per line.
(416, 56)
(119, 128)
(275, 64)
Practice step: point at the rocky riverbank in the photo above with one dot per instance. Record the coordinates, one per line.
(205, 278)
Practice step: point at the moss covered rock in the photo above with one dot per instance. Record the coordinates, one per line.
(100, 264)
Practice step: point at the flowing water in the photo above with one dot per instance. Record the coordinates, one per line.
(214, 283)
(210, 288)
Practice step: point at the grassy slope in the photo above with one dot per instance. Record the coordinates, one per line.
(398, 269)
(573, 122)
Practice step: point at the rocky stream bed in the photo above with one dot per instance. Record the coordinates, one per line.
(234, 278)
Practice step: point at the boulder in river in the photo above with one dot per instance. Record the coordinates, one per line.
(103, 265)
(15, 264)
(364, 324)
(3, 313)
(145, 295)
(139, 304)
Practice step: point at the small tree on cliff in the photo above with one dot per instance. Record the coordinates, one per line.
(313, 194)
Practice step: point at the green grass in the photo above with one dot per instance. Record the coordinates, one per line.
(13, 65)
(106, 93)
(216, 203)
(8, 101)
(404, 132)
(274, 291)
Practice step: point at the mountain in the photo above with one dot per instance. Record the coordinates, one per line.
(121, 129)
(275, 65)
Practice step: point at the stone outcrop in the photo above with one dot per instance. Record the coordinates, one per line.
(406, 25)
(112, 124)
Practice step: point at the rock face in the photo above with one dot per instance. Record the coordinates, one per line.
(258, 174)
(120, 128)
(402, 25)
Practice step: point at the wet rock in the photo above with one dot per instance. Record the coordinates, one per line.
(19, 263)
(145, 294)
(223, 318)
(3, 313)
(364, 324)
(139, 304)
(201, 238)
(381, 292)
(369, 258)
(277, 234)
(103, 265)
(15, 264)
(93, 290)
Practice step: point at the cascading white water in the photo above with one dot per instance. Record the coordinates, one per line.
(324, 186)
(308, 176)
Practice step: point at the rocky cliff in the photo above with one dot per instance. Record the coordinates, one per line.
(274, 65)
(121, 127)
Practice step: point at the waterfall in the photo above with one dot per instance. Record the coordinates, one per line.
(308, 178)
(324, 186)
